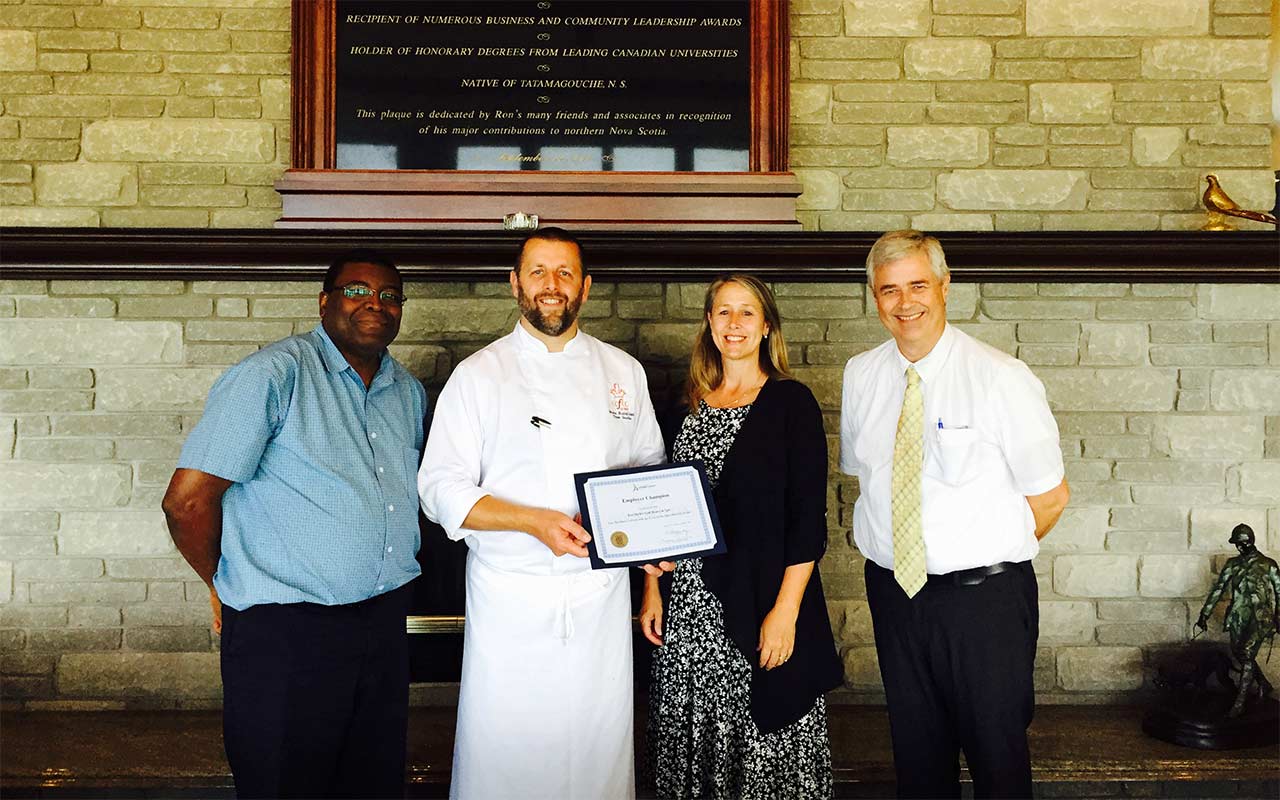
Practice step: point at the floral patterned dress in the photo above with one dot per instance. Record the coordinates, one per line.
(702, 740)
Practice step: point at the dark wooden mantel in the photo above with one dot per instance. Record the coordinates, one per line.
(1058, 256)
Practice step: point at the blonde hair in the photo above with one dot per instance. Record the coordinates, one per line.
(706, 369)
(896, 245)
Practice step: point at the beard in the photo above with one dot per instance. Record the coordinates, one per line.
(552, 324)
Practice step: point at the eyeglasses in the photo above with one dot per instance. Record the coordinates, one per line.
(356, 291)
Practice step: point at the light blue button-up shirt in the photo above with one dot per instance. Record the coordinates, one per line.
(324, 505)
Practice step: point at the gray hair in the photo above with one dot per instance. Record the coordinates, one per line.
(896, 245)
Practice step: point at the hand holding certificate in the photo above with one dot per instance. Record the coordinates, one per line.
(645, 515)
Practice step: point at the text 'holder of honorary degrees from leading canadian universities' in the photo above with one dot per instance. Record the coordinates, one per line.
(643, 515)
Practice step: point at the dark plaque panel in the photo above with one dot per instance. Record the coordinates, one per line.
(543, 85)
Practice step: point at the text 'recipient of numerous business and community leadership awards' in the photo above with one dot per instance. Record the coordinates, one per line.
(543, 85)
(643, 515)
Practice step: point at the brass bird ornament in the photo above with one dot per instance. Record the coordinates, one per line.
(1220, 204)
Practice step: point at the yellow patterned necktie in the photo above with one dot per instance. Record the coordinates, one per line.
(908, 462)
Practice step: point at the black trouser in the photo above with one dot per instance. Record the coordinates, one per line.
(957, 666)
(315, 698)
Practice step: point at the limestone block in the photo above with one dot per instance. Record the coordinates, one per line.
(29, 217)
(1067, 622)
(1240, 302)
(1117, 17)
(1246, 102)
(1169, 471)
(27, 522)
(1146, 541)
(1157, 146)
(427, 318)
(821, 189)
(203, 141)
(60, 640)
(87, 184)
(155, 389)
(1245, 390)
(1023, 190)
(1208, 355)
(1112, 345)
(886, 17)
(1145, 309)
(1099, 668)
(58, 569)
(810, 103)
(63, 486)
(952, 222)
(825, 382)
(862, 668)
(29, 616)
(167, 614)
(124, 533)
(1142, 634)
(1070, 103)
(148, 569)
(182, 63)
(1256, 483)
(1210, 527)
(948, 60)
(1205, 59)
(88, 341)
(18, 51)
(1078, 530)
(93, 617)
(1174, 576)
(159, 675)
(888, 200)
(1095, 575)
(938, 146)
(1205, 436)
(6, 581)
(667, 342)
(855, 623)
(167, 640)
(1170, 611)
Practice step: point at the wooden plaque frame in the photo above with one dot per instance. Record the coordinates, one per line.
(316, 195)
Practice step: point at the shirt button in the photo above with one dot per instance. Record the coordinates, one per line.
(381, 587)
(373, 436)
(391, 508)
(380, 470)
(388, 549)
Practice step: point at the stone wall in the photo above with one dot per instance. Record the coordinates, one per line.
(1166, 396)
(941, 114)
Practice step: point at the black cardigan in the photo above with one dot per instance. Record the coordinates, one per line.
(772, 503)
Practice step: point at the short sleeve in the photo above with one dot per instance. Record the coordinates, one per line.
(1027, 431)
(244, 410)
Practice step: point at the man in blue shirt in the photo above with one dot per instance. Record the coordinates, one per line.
(295, 500)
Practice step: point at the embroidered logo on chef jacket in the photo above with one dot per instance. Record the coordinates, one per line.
(619, 405)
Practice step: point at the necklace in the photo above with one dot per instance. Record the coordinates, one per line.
(737, 398)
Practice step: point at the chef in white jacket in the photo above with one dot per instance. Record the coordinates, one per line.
(546, 703)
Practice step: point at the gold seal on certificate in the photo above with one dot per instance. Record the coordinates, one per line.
(651, 514)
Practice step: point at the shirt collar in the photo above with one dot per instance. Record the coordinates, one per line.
(928, 367)
(336, 362)
(530, 343)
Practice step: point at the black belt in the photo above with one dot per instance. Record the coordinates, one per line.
(971, 577)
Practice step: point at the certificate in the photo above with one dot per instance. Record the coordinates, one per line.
(644, 515)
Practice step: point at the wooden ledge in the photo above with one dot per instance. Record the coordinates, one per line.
(257, 254)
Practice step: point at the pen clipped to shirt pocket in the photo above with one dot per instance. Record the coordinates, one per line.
(957, 454)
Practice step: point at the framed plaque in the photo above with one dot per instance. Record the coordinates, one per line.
(589, 114)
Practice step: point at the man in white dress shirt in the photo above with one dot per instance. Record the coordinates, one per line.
(960, 473)
(546, 704)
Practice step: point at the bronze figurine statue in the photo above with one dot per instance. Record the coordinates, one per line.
(1216, 697)
(1221, 206)
(1253, 612)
